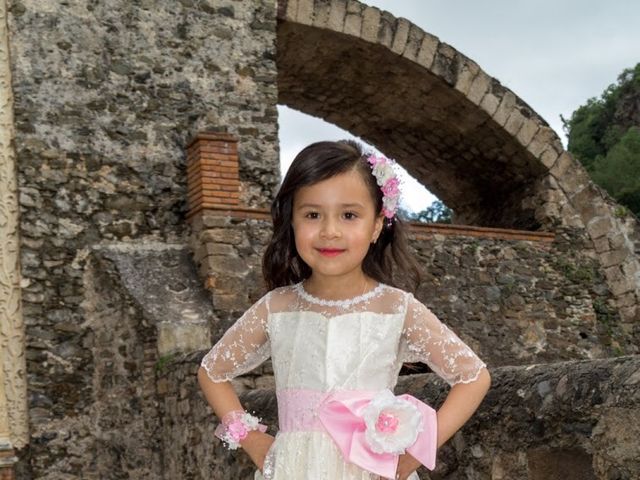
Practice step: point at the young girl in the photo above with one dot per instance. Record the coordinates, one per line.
(338, 331)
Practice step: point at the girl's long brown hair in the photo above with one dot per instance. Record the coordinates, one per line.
(282, 265)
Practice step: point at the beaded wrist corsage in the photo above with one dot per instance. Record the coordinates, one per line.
(235, 426)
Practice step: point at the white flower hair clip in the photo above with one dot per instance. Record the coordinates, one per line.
(382, 169)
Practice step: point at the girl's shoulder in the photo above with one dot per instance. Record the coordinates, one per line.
(281, 298)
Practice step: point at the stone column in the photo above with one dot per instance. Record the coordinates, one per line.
(220, 222)
(14, 431)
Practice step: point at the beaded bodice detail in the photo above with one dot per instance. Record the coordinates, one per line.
(346, 303)
(356, 343)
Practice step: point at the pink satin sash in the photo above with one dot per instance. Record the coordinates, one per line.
(339, 414)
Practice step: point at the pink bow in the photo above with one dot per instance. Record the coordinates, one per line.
(341, 415)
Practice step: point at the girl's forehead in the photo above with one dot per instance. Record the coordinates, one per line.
(346, 187)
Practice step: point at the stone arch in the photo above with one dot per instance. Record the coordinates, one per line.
(467, 138)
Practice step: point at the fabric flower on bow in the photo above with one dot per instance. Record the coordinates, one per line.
(373, 429)
(393, 424)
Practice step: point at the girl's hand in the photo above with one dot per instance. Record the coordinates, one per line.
(257, 444)
(407, 464)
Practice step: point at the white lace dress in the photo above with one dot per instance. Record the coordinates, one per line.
(320, 345)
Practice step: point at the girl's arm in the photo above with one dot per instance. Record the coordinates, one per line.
(243, 347)
(426, 339)
(461, 403)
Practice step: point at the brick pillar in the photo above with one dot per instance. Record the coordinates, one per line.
(212, 172)
(220, 223)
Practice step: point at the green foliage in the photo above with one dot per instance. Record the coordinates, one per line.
(576, 272)
(619, 171)
(163, 362)
(604, 135)
(437, 212)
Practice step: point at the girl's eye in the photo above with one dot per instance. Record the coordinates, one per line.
(350, 215)
(312, 215)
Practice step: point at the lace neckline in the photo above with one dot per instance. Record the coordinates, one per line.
(337, 303)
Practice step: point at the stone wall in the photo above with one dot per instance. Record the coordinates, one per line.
(576, 420)
(107, 95)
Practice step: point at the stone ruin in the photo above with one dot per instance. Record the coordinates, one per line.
(140, 155)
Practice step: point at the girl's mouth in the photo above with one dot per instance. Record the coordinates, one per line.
(330, 252)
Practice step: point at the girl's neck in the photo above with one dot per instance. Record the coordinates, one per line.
(338, 288)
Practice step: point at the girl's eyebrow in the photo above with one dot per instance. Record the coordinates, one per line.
(346, 205)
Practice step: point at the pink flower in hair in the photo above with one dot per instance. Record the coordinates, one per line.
(382, 169)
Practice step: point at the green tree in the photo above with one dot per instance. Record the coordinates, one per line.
(619, 171)
(437, 212)
(604, 135)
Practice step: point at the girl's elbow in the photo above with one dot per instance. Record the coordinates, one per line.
(485, 377)
(202, 376)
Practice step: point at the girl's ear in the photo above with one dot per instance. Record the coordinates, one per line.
(379, 222)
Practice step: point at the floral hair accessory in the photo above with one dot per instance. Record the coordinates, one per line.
(382, 169)
(235, 426)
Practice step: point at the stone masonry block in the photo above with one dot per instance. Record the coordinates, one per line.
(576, 179)
(541, 140)
(226, 265)
(416, 34)
(428, 50)
(599, 227)
(613, 274)
(527, 131)
(617, 240)
(630, 314)
(467, 71)
(631, 269)
(490, 103)
(304, 14)
(337, 14)
(587, 202)
(292, 8)
(504, 109)
(401, 36)
(514, 122)
(561, 166)
(479, 87)
(182, 337)
(601, 244)
(370, 24)
(229, 236)
(353, 19)
(622, 285)
(321, 13)
(444, 64)
(626, 299)
(614, 257)
(549, 157)
(386, 29)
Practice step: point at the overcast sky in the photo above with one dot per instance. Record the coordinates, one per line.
(552, 54)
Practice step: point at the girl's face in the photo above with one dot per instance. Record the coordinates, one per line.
(334, 223)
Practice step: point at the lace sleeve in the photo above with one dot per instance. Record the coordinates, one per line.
(243, 347)
(426, 339)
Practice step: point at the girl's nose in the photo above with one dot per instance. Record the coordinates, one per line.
(330, 228)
